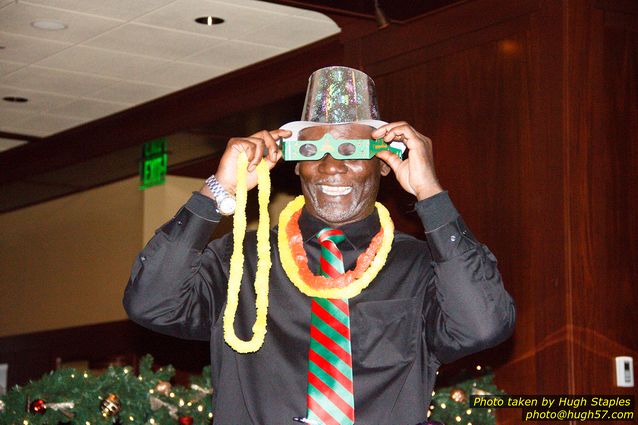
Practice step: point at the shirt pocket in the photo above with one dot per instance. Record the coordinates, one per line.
(384, 333)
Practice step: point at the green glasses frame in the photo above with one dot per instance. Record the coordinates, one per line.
(311, 150)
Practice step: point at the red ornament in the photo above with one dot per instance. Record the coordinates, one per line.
(185, 420)
(38, 407)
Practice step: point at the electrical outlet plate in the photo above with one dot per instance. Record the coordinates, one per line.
(4, 370)
(624, 371)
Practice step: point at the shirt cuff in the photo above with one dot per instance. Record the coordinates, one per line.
(194, 222)
(203, 206)
(445, 230)
(436, 211)
(450, 240)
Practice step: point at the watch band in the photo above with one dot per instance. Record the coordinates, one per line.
(217, 189)
(220, 194)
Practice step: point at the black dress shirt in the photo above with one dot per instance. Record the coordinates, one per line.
(432, 302)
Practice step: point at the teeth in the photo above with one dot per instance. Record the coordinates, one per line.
(335, 190)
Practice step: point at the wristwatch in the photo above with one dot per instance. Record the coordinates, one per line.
(225, 201)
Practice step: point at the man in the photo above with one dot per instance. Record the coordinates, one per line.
(364, 356)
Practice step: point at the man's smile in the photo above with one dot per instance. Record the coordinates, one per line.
(334, 190)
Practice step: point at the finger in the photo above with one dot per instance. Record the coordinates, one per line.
(381, 131)
(400, 133)
(391, 159)
(280, 133)
(409, 137)
(271, 144)
(275, 134)
(243, 144)
(258, 153)
(247, 146)
(278, 156)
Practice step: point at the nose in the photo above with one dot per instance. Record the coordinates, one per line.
(329, 165)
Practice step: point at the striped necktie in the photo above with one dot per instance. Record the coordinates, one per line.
(330, 389)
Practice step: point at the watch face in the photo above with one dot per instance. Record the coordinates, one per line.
(227, 206)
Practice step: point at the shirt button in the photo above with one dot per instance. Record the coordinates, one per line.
(179, 222)
(453, 238)
(143, 258)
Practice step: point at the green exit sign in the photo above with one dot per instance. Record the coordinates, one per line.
(154, 163)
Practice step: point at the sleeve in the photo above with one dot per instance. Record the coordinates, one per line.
(467, 308)
(177, 284)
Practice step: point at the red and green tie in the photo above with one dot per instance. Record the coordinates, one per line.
(330, 389)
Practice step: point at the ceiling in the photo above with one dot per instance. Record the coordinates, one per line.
(397, 11)
(127, 71)
(114, 55)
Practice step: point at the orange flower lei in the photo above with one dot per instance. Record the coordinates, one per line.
(295, 263)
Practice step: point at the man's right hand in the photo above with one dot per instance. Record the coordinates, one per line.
(254, 147)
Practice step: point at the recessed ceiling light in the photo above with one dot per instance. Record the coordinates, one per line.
(49, 25)
(15, 99)
(209, 20)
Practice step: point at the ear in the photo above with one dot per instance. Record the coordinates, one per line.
(297, 168)
(385, 168)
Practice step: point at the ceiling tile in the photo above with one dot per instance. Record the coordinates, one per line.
(9, 67)
(116, 9)
(16, 18)
(10, 117)
(6, 144)
(295, 33)
(152, 41)
(129, 92)
(38, 101)
(46, 124)
(103, 63)
(181, 75)
(89, 109)
(234, 54)
(106, 63)
(27, 49)
(52, 81)
(181, 14)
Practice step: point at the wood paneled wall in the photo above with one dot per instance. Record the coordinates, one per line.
(532, 107)
(601, 190)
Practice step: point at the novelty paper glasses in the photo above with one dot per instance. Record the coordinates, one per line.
(309, 150)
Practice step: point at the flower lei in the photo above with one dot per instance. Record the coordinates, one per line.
(237, 259)
(295, 263)
(290, 248)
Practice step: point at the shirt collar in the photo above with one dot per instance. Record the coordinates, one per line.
(359, 233)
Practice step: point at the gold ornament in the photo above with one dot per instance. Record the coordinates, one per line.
(110, 406)
(163, 387)
(458, 395)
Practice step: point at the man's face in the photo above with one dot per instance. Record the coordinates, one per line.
(340, 191)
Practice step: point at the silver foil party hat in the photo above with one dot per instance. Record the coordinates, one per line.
(338, 95)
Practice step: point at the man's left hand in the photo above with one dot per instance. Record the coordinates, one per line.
(416, 173)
